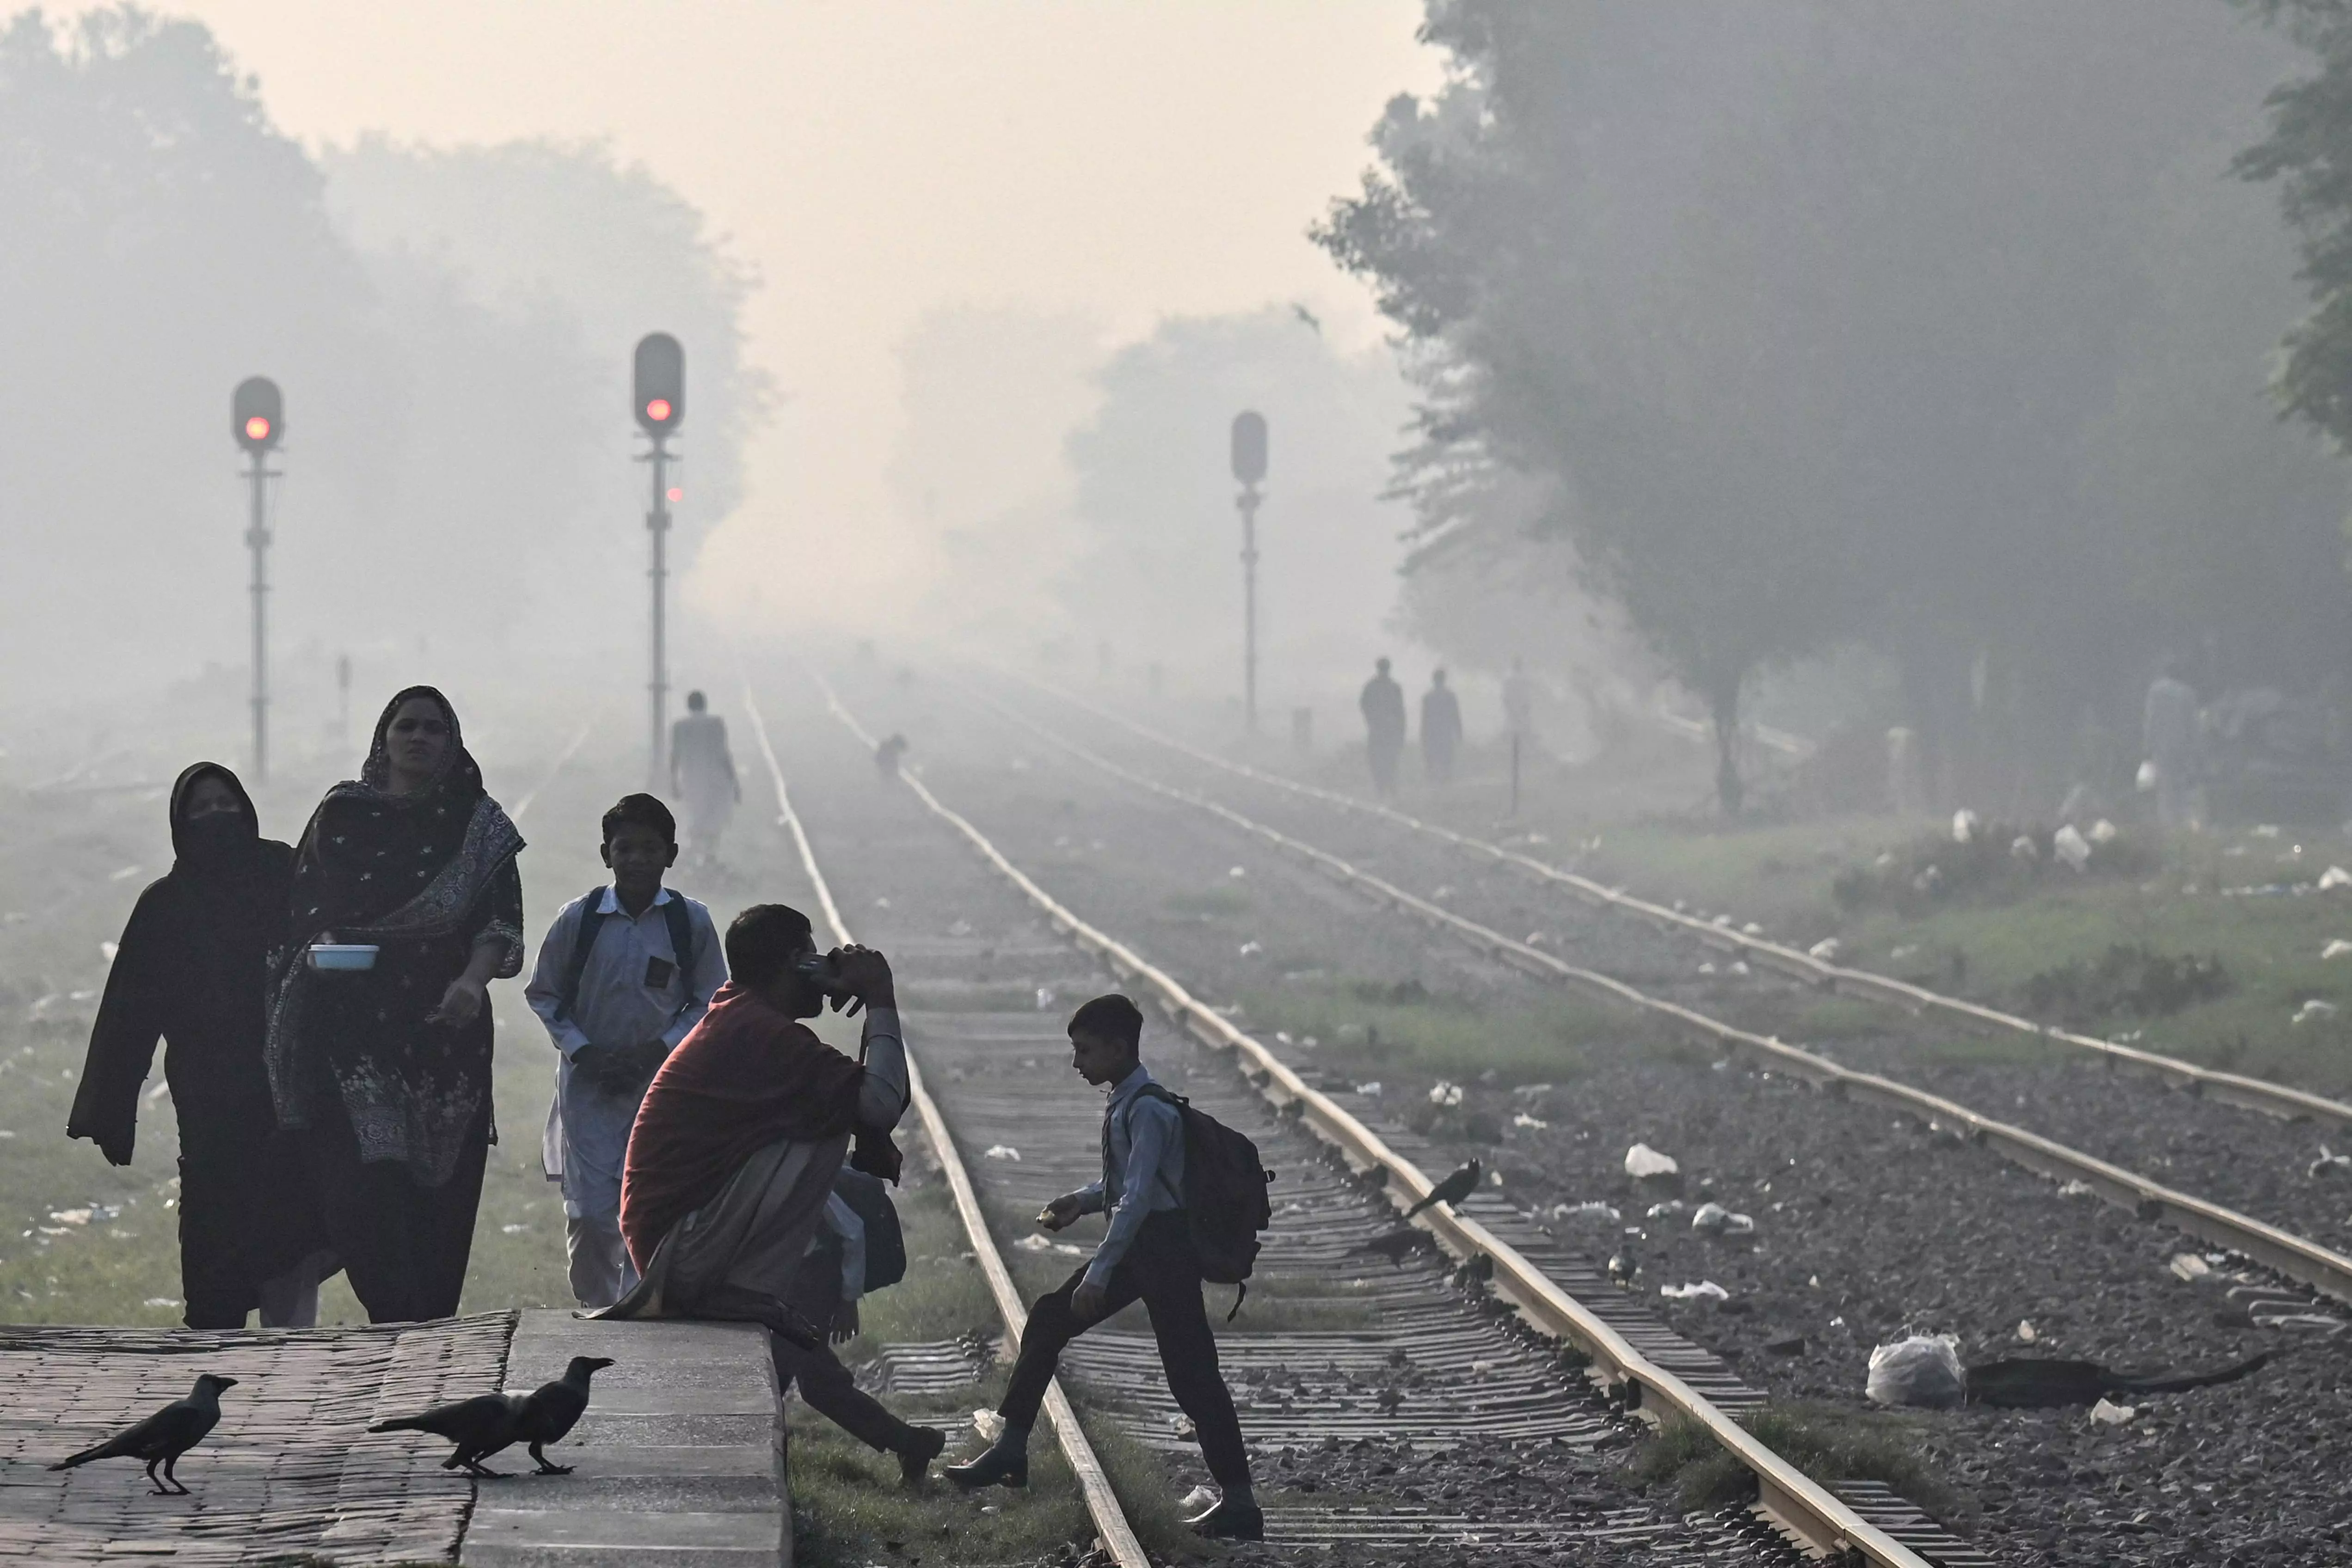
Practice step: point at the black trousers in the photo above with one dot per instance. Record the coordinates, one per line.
(1161, 1271)
(827, 1385)
(404, 1244)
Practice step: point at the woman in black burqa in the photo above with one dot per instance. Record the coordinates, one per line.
(388, 1069)
(193, 967)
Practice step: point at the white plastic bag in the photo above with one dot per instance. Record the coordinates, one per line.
(1642, 1162)
(1923, 1370)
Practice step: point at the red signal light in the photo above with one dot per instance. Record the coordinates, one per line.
(676, 494)
(257, 428)
(657, 410)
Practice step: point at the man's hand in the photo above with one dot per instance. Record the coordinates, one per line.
(862, 976)
(1060, 1214)
(605, 1067)
(1087, 1301)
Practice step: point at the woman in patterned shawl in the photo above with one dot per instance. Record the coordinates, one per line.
(388, 1069)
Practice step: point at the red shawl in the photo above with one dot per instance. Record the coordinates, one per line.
(743, 1078)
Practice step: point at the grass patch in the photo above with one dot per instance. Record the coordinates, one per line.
(1367, 1026)
(1830, 1444)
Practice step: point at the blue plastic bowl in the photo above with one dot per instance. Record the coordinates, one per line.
(344, 955)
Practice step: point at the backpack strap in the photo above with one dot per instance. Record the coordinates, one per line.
(1155, 1090)
(583, 942)
(680, 921)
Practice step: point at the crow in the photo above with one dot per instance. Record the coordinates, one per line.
(1452, 1190)
(163, 1437)
(551, 1409)
(480, 1427)
(1623, 1265)
(1392, 1246)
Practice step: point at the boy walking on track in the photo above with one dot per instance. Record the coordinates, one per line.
(1150, 1253)
(623, 974)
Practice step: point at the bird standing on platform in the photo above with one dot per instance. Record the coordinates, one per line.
(480, 1427)
(163, 1437)
(1450, 1191)
(548, 1414)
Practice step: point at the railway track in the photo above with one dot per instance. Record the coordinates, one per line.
(1392, 1412)
(2295, 1257)
(2281, 1101)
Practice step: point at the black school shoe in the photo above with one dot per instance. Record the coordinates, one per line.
(923, 1445)
(994, 1467)
(1234, 1519)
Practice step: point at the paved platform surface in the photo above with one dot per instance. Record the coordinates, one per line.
(679, 1459)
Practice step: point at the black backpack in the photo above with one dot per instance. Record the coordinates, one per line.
(1224, 1196)
(583, 942)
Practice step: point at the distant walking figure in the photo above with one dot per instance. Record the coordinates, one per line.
(387, 1069)
(702, 776)
(193, 967)
(1147, 1254)
(1383, 707)
(2173, 745)
(1440, 728)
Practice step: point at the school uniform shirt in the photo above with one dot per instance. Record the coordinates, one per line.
(1143, 1169)
(634, 989)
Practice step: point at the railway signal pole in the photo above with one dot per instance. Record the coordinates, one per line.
(257, 420)
(660, 400)
(1249, 468)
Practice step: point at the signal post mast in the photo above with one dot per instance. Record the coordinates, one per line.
(257, 420)
(1249, 467)
(659, 402)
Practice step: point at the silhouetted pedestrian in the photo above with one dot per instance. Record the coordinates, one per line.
(1382, 702)
(1440, 728)
(702, 776)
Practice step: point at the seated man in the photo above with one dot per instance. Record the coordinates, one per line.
(732, 1159)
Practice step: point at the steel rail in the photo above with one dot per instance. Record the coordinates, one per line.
(1802, 1505)
(536, 790)
(2323, 1269)
(1118, 1537)
(2233, 1088)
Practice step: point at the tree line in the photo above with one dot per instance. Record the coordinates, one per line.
(1948, 331)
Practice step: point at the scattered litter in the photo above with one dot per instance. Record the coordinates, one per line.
(2189, 1266)
(2107, 1413)
(1004, 1152)
(1534, 1124)
(1922, 1370)
(125, 874)
(1705, 1290)
(1595, 1213)
(2103, 832)
(1964, 826)
(1531, 1091)
(1444, 1094)
(2025, 1333)
(70, 1215)
(1035, 1243)
(2334, 877)
(2072, 1187)
(162, 1302)
(1200, 1497)
(1708, 968)
(2328, 1165)
(2024, 848)
(1722, 921)
(2313, 1007)
(1826, 950)
(1666, 1210)
(1642, 1162)
(1238, 871)
(988, 1424)
(2266, 830)
(2336, 948)
(1370, 1090)
(1045, 997)
(2069, 845)
(106, 950)
(1739, 965)
(1713, 1219)
(1751, 929)
(1251, 948)
(1906, 950)
(512, 1229)
(1494, 1179)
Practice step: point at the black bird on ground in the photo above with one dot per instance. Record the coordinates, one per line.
(1623, 1265)
(480, 1427)
(163, 1437)
(1452, 1190)
(488, 1423)
(1394, 1246)
(548, 1415)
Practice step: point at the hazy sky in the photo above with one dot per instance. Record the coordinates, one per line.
(875, 160)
